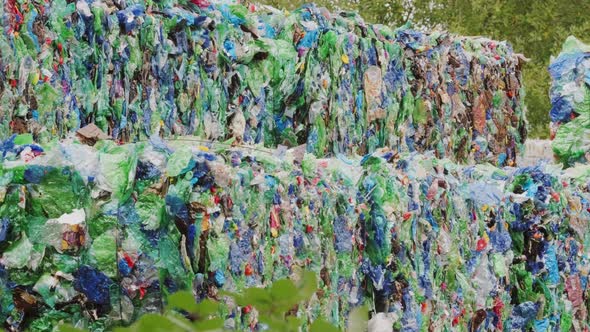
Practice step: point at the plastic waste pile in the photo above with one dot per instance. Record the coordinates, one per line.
(327, 80)
(98, 235)
(570, 99)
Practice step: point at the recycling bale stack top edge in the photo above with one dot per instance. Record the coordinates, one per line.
(261, 76)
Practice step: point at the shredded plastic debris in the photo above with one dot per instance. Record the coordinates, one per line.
(258, 75)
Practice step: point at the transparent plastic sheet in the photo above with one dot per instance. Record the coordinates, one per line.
(427, 242)
(327, 80)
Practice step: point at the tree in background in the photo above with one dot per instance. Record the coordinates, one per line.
(536, 28)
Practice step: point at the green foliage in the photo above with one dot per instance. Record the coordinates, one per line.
(202, 316)
(68, 328)
(321, 325)
(535, 28)
(379, 11)
(273, 304)
(170, 322)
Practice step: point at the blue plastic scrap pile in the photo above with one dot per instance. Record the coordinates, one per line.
(570, 99)
(97, 236)
(216, 71)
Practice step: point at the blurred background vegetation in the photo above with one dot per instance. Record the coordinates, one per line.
(536, 28)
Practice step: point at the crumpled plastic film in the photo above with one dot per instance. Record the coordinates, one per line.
(262, 76)
(429, 243)
(570, 100)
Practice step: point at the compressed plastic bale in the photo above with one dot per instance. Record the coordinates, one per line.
(427, 242)
(484, 242)
(261, 76)
(570, 100)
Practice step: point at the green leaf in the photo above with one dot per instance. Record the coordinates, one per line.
(284, 292)
(358, 319)
(320, 325)
(209, 325)
(207, 307)
(274, 323)
(229, 294)
(122, 329)
(257, 297)
(294, 323)
(183, 300)
(308, 285)
(68, 328)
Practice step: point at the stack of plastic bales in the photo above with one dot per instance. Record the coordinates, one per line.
(99, 235)
(274, 110)
(330, 81)
(570, 99)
